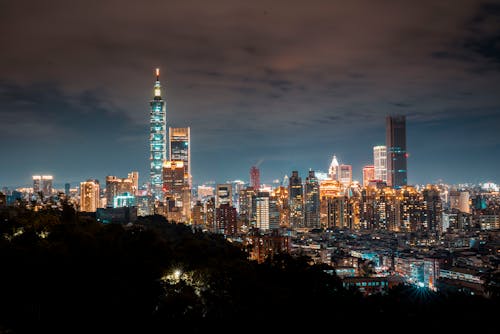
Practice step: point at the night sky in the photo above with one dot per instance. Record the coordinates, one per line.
(286, 84)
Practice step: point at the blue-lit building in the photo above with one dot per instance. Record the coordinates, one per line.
(157, 139)
(125, 199)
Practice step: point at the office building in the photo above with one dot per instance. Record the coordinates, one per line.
(42, 184)
(180, 148)
(380, 163)
(255, 178)
(396, 151)
(296, 200)
(224, 194)
(368, 175)
(117, 186)
(134, 177)
(345, 175)
(89, 196)
(157, 139)
(312, 205)
(333, 170)
(225, 221)
(176, 190)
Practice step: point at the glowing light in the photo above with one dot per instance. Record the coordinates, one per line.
(177, 274)
(157, 72)
(421, 284)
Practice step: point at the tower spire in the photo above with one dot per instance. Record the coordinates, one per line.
(157, 74)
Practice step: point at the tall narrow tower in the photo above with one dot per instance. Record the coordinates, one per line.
(255, 178)
(396, 151)
(157, 139)
(180, 148)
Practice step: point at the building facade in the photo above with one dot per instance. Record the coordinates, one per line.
(397, 175)
(157, 139)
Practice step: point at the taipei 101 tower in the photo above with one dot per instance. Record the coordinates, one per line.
(157, 139)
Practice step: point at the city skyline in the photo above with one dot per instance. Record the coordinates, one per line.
(249, 92)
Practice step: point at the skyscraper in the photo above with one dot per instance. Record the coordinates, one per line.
(345, 175)
(224, 195)
(380, 162)
(89, 196)
(333, 170)
(116, 186)
(396, 151)
(176, 189)
(43, 184)
(311, 194)
(296, 200)
(255, 178)
(180, 148)
(157, 139)
(368, 175)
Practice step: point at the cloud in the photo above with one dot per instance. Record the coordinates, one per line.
(245, 75)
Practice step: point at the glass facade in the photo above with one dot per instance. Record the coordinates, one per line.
(157, 139)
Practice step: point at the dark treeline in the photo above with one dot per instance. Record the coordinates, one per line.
(64, 274)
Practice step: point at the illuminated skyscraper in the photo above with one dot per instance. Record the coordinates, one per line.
(224, 195)
(43, 184)
(157, 139)
(345, 175)
(255, 178)
(37, 180)
(296, 198)
(380, 162)
(333, 170)
(176, 189)
(311, 194)
(396, 151)
(134, 176)
(180, 148)
(117, 186)
(368, 175)
(89, 196)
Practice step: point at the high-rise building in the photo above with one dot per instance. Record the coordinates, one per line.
(331, 204)
(89, 196)
(134, 176)
(345, 175)
(255, 178)
(267, 212)
(312, 205)
(281, 194)
(333, 170)
(433, 209)
(210, 214)
(205, 192)
(262, 210)
(180, 148)
(198, 215)
(223, 194)
(368, 175)
(67, 189)
(43, 184)
(380, 162)
(396, 151)
(117, 186)
(176, 188)
(296, 199)
(246, 213)
(225, 220)
(37, 181)
(157, 139)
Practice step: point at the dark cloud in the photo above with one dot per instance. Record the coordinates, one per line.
(291, 82)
